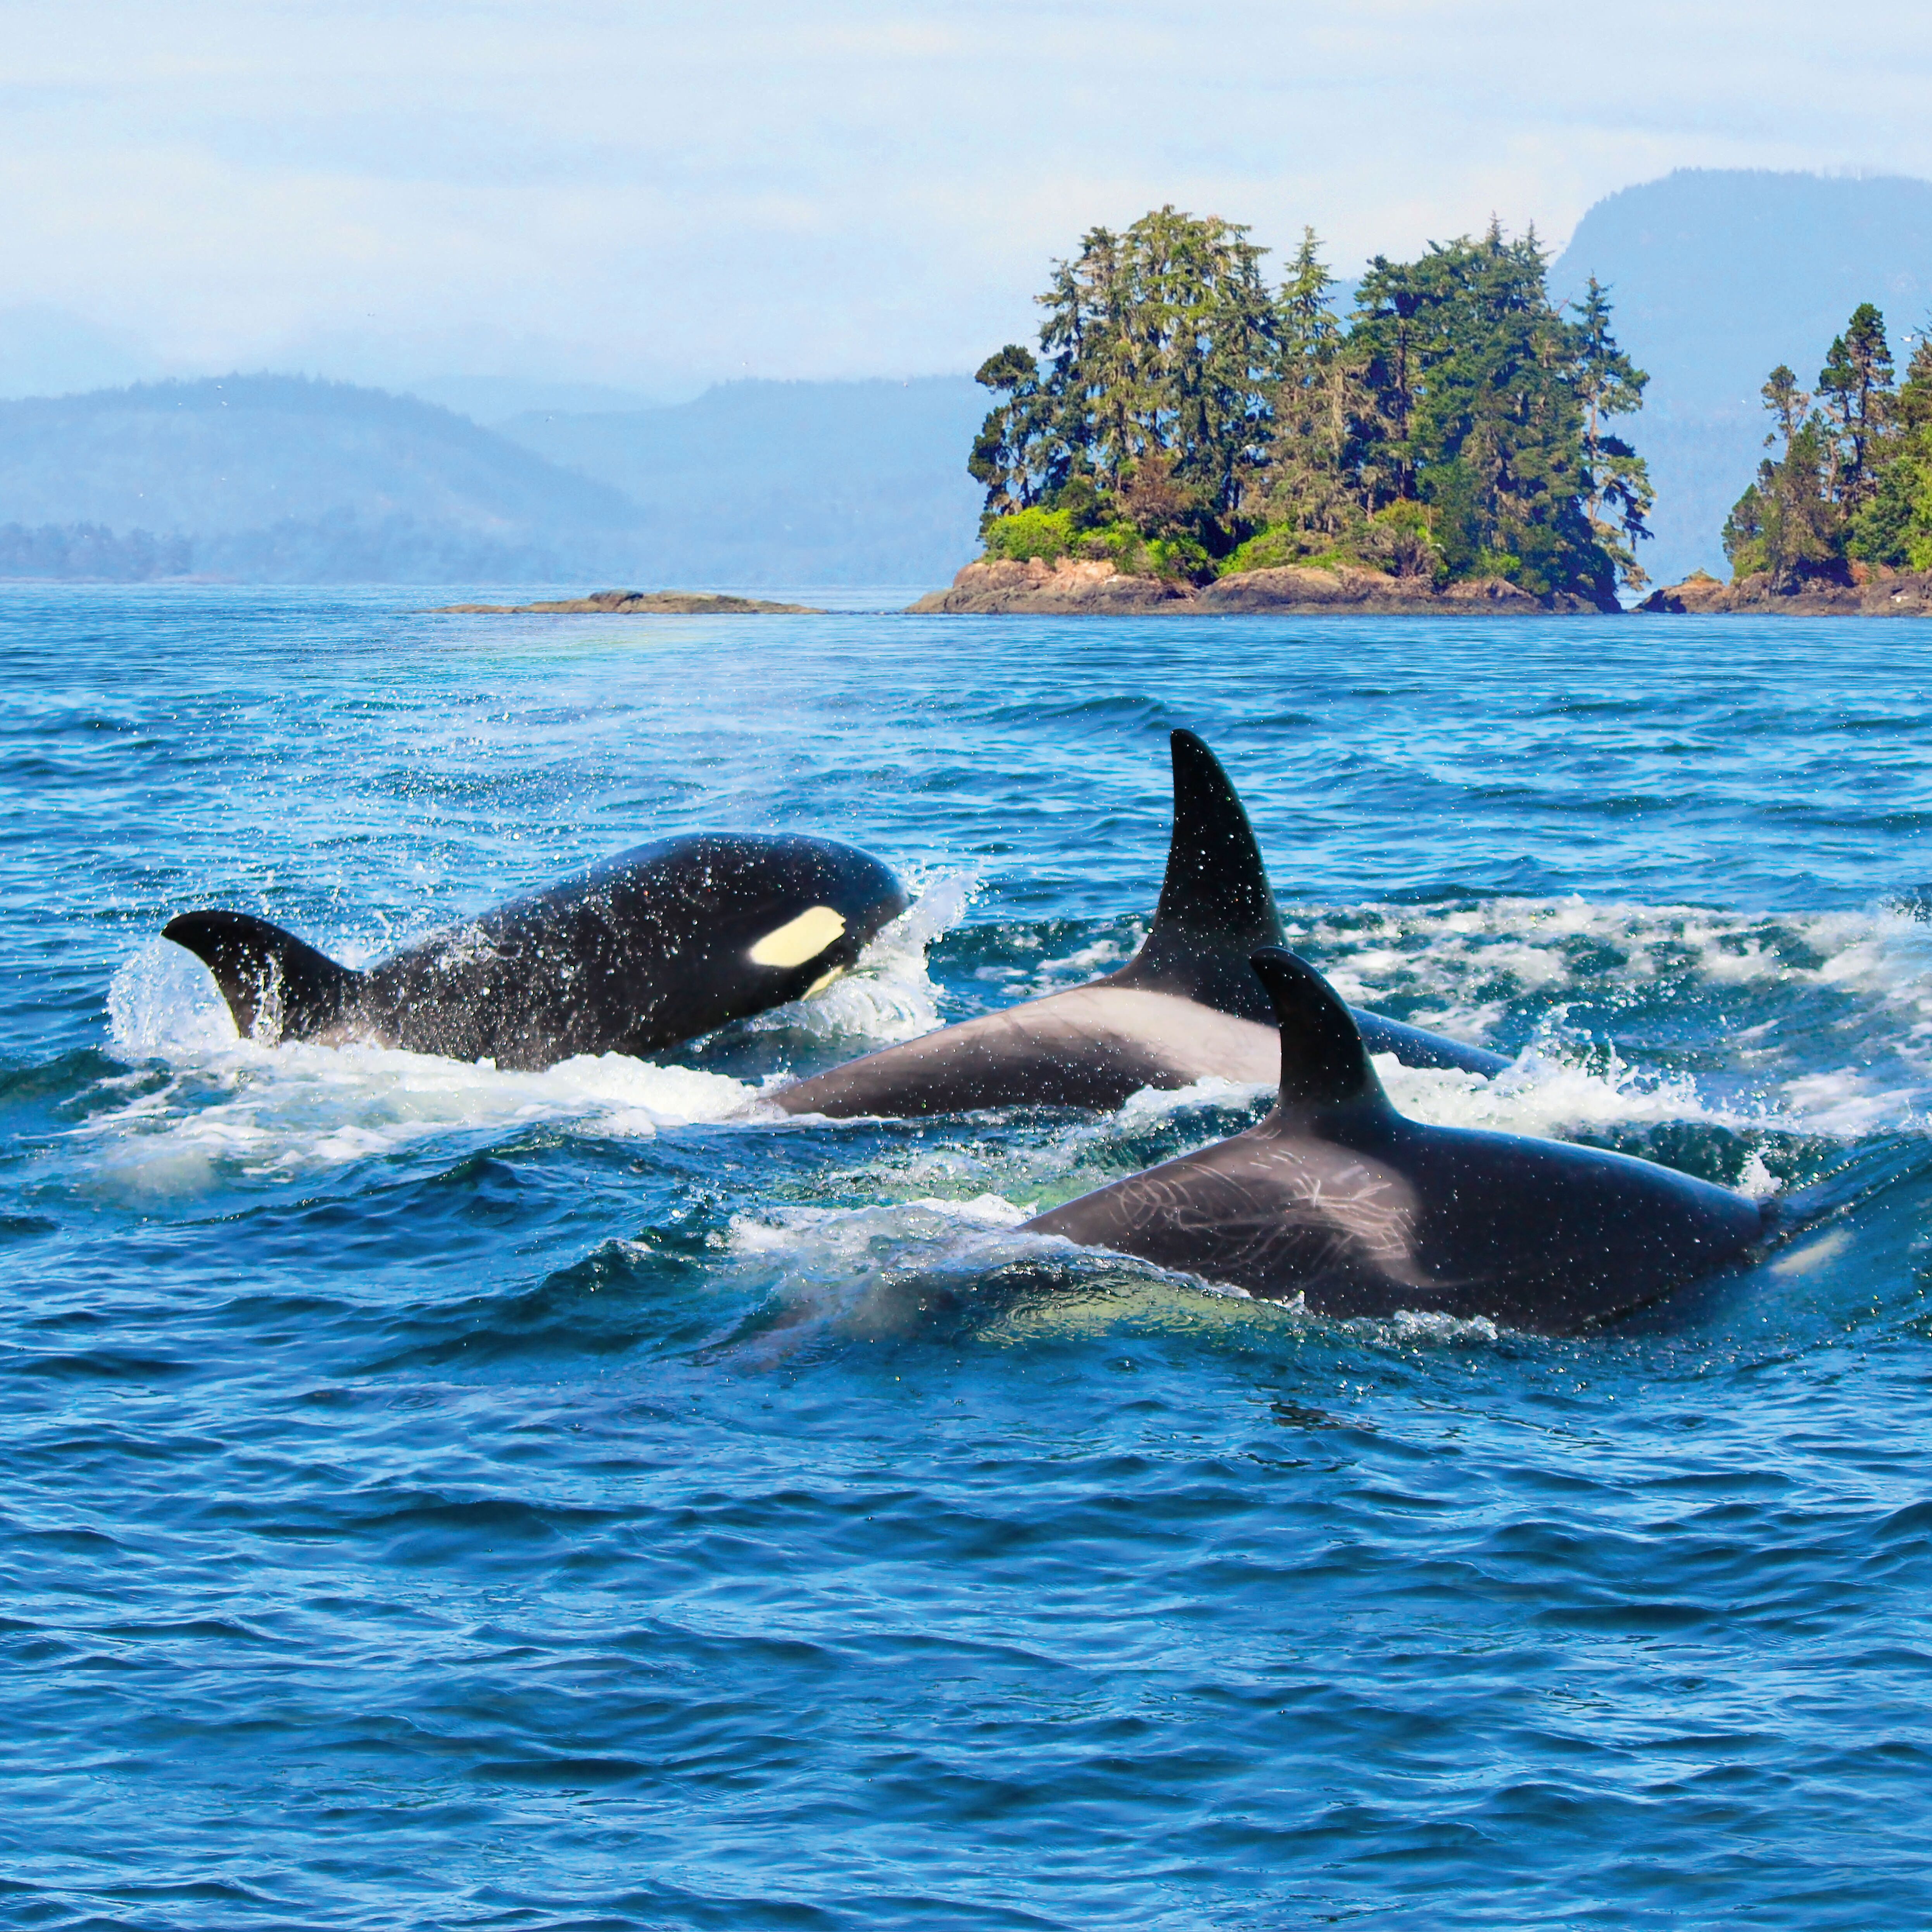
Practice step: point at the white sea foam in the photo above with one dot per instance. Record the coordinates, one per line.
(1539, 1093)
(1375, 951)
(847, 1233)
(1458, 969)
(1153, 1103)
(1091, 961)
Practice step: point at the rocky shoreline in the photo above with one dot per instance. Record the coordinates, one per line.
(1870, 593)
(1073, 588)
(635, 604)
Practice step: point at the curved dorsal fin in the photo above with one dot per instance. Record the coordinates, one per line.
(266, 974)
(1323, 1062)
(1216, 904)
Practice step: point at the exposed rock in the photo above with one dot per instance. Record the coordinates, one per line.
(637, 604)
(1071, 588)
(1312, 588)
(1873, 592)
(1309, 587)
(1081, 588)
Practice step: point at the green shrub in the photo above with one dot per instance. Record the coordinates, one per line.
(1180, 558)
(1051, 535)
(1273, 548)
(1046, 534)
(1400, 540)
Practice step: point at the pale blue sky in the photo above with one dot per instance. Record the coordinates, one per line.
(656, 196)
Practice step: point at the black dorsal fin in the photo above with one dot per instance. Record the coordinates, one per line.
(1323, 1062)
(277, 987)
(1216, 904)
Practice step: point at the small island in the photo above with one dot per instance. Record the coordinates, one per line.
(635, 603)
(1191, 440)
(1839, 523)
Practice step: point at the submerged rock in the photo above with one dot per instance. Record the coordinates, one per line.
(636, 604)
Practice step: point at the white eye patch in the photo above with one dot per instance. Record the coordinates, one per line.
(800, 939)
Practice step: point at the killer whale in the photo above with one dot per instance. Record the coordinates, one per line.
(1337, 1199)
(656, 946)
(1188, 1005)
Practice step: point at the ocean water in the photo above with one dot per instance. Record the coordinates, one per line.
(434, 1497)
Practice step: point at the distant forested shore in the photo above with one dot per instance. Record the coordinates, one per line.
(1852, 484)
(1184, 421)
(1839, 521)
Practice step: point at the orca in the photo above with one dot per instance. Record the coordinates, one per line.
(1339, 1200)
(656, 946)
(1186, 1006)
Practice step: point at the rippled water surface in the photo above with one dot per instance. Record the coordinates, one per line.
(438, 1497)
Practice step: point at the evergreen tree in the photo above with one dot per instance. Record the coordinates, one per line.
(1786, 524)
(1894, 527)
(1854, 387)
(1618, 492)
(1001, 458)
(1163, 344)
(1852, 485)
(1480, 390)
(1310, 496)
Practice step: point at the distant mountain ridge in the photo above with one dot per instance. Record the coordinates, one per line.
(286, 479)
(1718, 275)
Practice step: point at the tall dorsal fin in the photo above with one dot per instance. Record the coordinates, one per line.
(1323, 1062)
(266, 974)
(1216, 905)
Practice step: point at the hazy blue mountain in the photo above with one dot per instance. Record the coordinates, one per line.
(281, 479)
(278, 479)
(490, 399)
(790, 483)
(1717, 276)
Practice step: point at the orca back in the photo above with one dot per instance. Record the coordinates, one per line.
(661, 944)
(657, 945)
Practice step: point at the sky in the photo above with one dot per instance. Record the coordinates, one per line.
(653, 197)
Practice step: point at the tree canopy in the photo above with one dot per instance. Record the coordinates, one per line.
(1182, 417)
(1851, 482)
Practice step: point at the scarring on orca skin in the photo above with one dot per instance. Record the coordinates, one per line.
(1187, 1006)
(656, 946)
(1338, 1198)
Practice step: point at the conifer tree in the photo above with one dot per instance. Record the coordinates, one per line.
(1002, 452)
(1894, 527)
(1786, 524)
(1854, 387)
(1618, 492)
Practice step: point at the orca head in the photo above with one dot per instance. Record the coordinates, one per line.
(1217, 908)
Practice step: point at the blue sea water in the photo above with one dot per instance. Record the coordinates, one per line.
(435, 1497)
